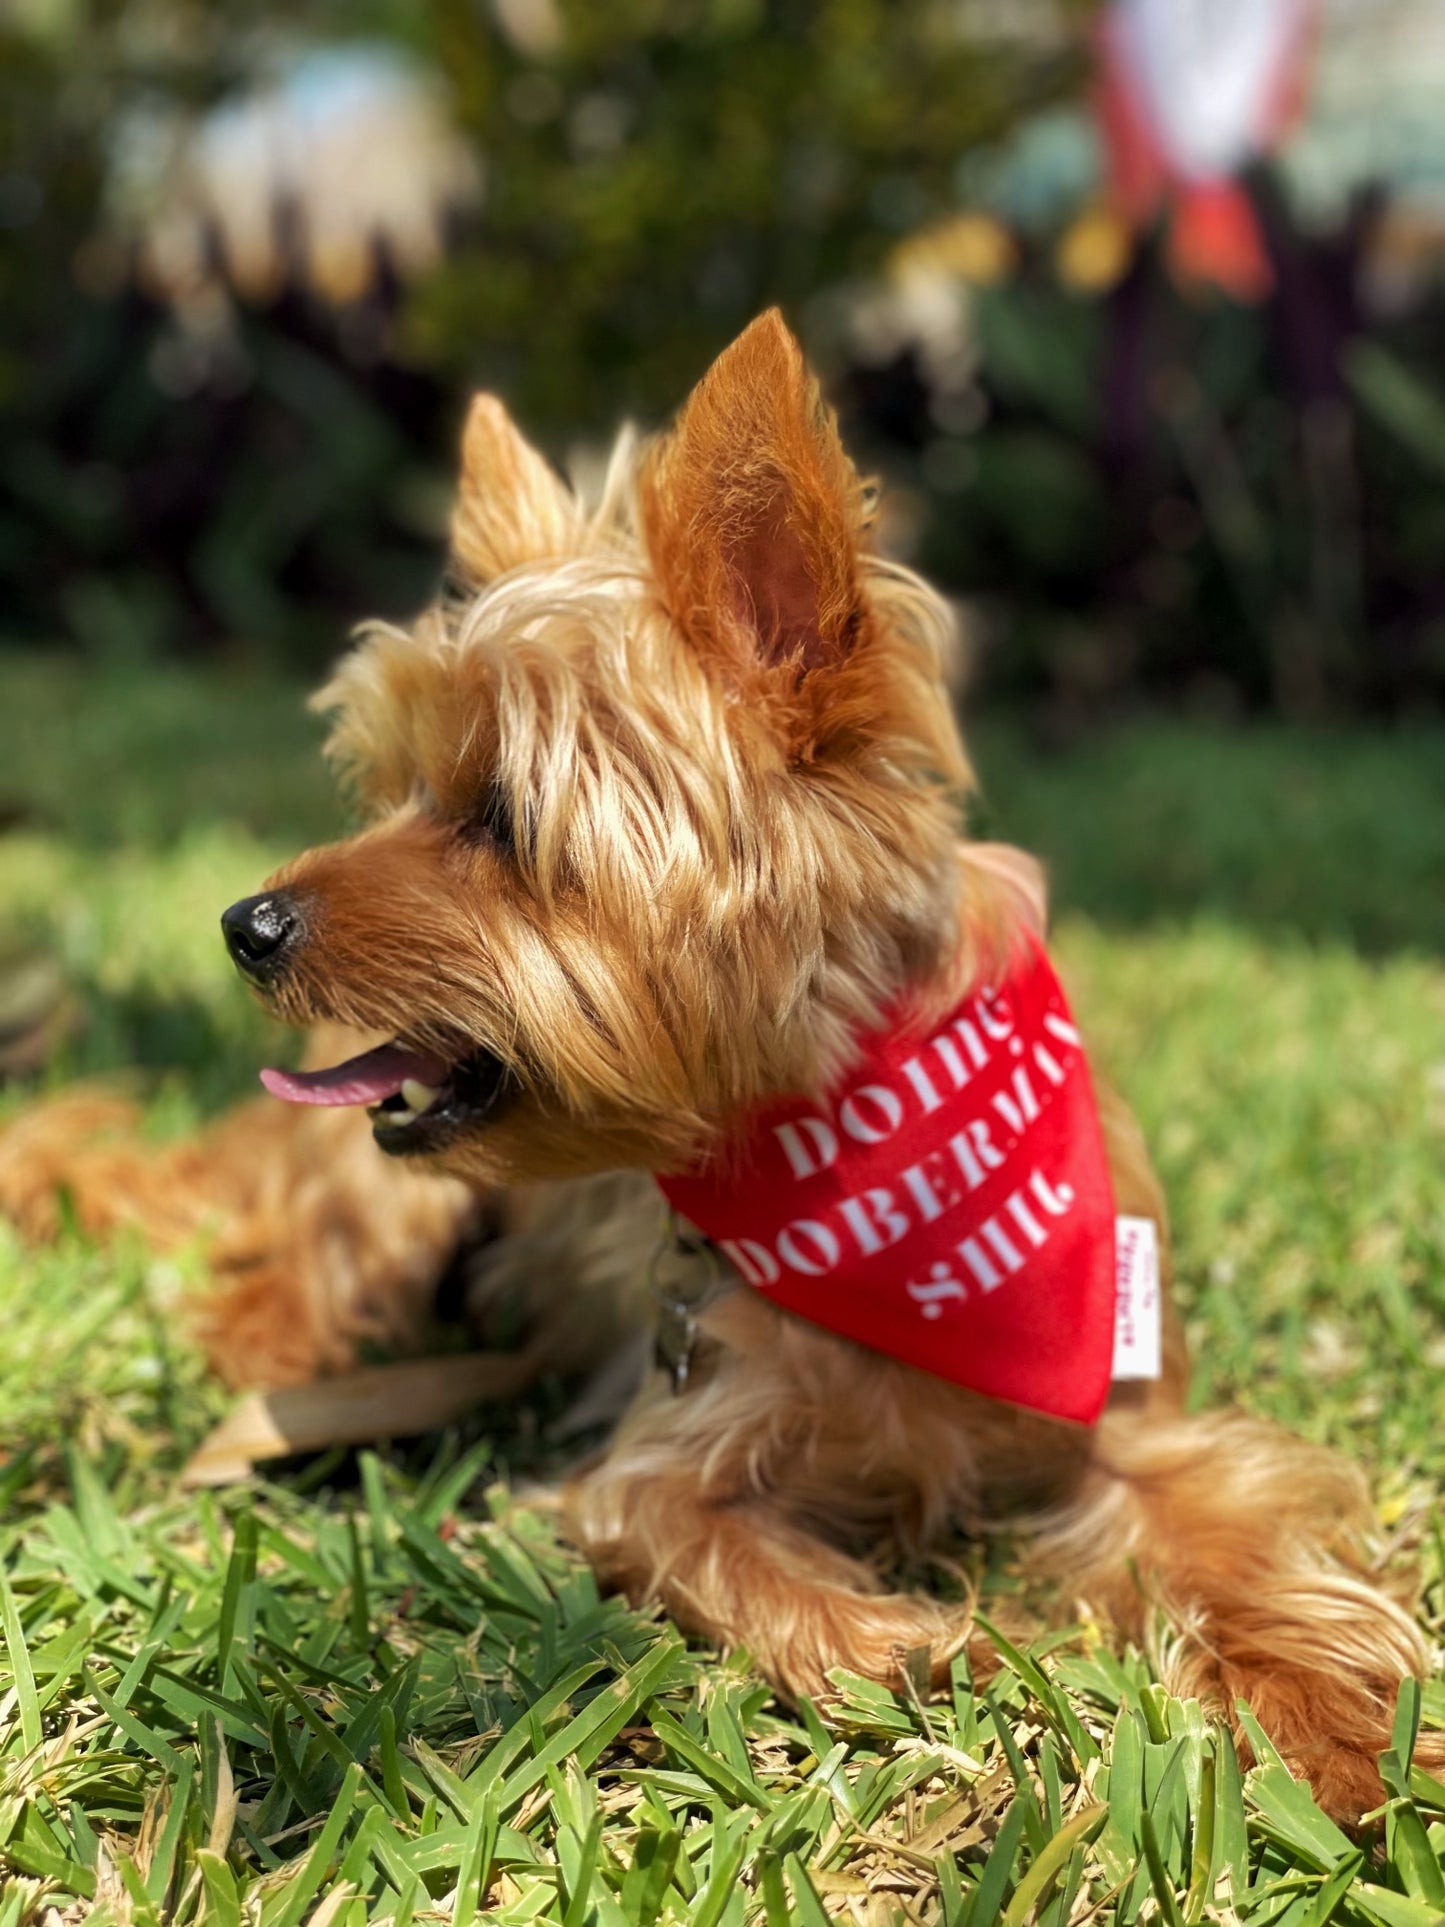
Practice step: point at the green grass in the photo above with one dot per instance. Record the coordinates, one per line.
(1324, 834)
(376, 1687)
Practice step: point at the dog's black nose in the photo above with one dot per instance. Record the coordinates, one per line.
(259, 931)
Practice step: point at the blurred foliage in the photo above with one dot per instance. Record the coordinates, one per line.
(653, 180)
(1141, 494)
(1239, 507)
(677, 167)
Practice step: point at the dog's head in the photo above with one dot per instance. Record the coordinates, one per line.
(662, 800)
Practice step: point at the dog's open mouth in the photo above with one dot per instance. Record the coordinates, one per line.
(417, 1101)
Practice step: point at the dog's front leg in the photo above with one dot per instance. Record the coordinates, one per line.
(726, 1504)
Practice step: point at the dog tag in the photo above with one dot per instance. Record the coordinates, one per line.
(696, 1281)
(1137, 1320)
(674, 1343)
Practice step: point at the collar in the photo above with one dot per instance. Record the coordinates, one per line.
(948, 1203)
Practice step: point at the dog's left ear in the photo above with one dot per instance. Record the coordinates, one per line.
(511, 506)
(752, 514)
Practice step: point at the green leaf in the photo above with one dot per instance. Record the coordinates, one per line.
(1231, 1826)
(223, 1900)
(1154, 1705)
(726, 1737)
(143, 1911)
(34, 1854)
(808, 1909)
(94, 1508)
(1032, 1819)
(599, 1723)
(950, 1891)
(240, 1573)
(1053, 1702)
(1407, 407)
(195, 1702)
(298, 1894)
(366, 1848)
(1406, 1726)
(163, 1859)
(1393, 1910)
(1409, 1852)
(1163, 1886)
(715, 1771)
(579, 1884)
(645, 1884)
(1395, 1760)
(145, 1737)
(359, 1604)
(729, 1848)
(775, 1898)
(391, 1775)
(455, 1791)
(1265, 1751)
(378, 1511)
(1118, 1845)
(474, 1871)
(495, 1762)
(1332, 1890)
(1048, 1865)
(1201, 1859)
(1288, 1809)
(998, 1869)
(18, 1653)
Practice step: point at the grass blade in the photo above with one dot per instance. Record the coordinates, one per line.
(998, 1868)
(26, 1699)
(474, 1872)
(1048, 1865)
(1158, 1873)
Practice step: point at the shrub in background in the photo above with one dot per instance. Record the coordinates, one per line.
(1145, 495)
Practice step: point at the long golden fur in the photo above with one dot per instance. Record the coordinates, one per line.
(663, 805)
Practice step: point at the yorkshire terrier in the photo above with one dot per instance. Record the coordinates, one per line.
(663, 885)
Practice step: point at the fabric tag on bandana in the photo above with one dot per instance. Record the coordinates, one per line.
(1138, 1341)
(949, 1204)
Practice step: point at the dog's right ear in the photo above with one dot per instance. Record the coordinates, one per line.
(511, 507)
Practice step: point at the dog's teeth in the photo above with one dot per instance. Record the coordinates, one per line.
(399, 1117)
(418, 1097)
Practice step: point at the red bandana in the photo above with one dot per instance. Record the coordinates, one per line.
(949, 1205)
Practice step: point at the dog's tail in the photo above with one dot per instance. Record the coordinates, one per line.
(1255, 1547)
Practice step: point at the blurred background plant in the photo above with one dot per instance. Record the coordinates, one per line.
(1140, 308)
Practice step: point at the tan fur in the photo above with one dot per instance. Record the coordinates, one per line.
(714, 732)
(316, 1244)
(528, 515)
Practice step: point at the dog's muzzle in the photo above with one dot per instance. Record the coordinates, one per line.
(261, 933)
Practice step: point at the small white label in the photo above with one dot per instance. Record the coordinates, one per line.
(1137, 1322)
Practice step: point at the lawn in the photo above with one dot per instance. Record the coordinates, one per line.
(375, 1686)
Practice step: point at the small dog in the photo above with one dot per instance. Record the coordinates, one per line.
(663, 874)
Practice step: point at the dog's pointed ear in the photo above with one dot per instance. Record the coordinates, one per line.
(511, 506)
(752, 514)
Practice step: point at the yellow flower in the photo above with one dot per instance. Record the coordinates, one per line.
(1094, 250)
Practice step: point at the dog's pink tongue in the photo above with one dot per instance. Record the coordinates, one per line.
(367, 1079)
